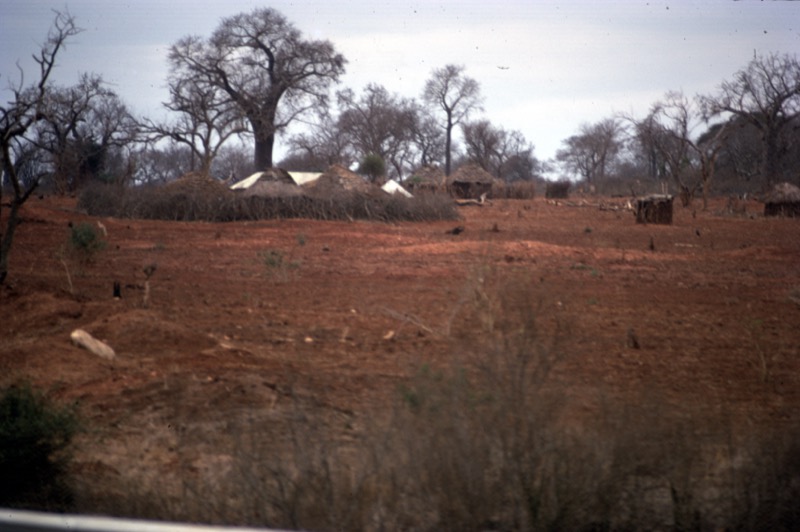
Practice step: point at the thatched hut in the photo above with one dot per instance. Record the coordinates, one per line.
(783, 200)
(429, 178)
(470, 182)
(337, 179)
(271, 183)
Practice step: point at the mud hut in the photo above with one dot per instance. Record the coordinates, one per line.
(783, 200)
(429, 178)
(470, 182)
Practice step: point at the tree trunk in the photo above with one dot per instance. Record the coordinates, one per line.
(447, 144)
(770, 157)
(263, 153)
(7, 237)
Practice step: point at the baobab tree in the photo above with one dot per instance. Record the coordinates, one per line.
(766, 93)
(456, 95)
(264, 66)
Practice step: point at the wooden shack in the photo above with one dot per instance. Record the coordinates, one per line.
(654, 209)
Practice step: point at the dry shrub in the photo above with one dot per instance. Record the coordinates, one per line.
(491, 441)
(165, 203)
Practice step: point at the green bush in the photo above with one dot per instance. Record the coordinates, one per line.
(85, 241)
(372, 165)
(34, 437)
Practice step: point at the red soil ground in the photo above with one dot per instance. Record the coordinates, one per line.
(709, 318)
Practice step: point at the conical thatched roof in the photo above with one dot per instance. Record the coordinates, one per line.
(271, 175)
(196, 183)
(783, 193)
(430, 175)
(471, 173)
(338, 178)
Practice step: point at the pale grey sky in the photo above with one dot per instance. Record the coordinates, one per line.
(564, 62)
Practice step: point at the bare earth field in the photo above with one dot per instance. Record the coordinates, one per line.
(247, 320)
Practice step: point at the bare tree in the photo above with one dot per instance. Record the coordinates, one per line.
(690, 162)
(206, 119)
(504, 154)
(17, 117)
(427, 138)
(233, 162)
(320, 146)
(482, 141)
(591, 153)
(80, 126)
(160, 162)
(456, 95)
(263, 65)
(766, 93)
(378, 123)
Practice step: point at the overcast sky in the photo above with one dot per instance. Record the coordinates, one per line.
(545, 67)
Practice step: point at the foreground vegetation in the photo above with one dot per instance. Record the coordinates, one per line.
(488, 440)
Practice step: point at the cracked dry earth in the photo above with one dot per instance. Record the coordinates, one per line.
(247, 320)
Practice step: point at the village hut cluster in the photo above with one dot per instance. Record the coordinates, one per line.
(468, 182)
(277, 182)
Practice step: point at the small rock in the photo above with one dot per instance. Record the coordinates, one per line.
(83, 339)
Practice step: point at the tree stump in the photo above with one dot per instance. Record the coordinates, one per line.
(654, 209)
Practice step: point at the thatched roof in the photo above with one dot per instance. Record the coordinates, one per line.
(783, 193)
(427, 175)
(197, 183)
(471, 173)
(273, 189)
(338, 178)
(274, 175)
